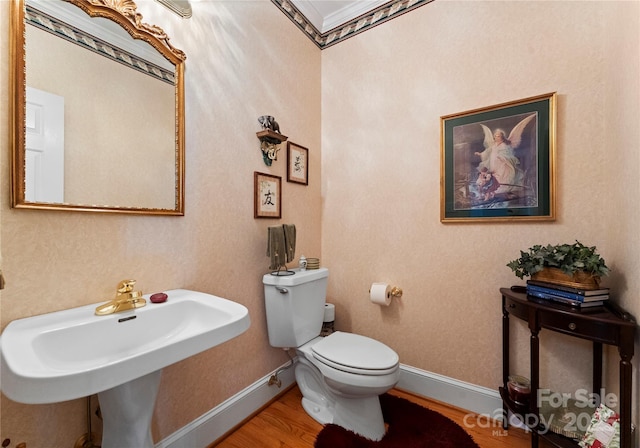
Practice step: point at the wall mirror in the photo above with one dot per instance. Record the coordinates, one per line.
(97, 109)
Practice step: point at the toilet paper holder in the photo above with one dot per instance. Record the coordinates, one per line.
(394, 293)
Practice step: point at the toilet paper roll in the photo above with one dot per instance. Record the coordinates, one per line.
(380, 294)
(329, 312)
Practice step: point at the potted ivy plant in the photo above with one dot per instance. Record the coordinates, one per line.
(574, 265)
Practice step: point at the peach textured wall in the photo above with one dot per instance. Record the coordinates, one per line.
(244, 59)
(383, 94)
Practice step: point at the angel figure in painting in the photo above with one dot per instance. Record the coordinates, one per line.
(499, 158)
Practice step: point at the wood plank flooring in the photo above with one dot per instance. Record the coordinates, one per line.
(285, 424)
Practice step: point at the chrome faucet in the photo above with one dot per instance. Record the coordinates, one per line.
(126, 299)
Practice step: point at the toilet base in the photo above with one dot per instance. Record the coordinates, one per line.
(320, 414)
(361, 415)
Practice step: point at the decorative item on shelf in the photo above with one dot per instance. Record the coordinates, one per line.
(519, 389)
(574, 265)
(603, 430)
(313, 263)
(568, 417)
(575, 297)
(579, 279)
(270, 138)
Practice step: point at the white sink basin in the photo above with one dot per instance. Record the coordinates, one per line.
(73, 353)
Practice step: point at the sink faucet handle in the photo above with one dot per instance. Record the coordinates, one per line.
(126, 286)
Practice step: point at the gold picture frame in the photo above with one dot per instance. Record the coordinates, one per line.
(498, 162)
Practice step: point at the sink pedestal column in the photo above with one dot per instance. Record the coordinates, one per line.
(126, 412)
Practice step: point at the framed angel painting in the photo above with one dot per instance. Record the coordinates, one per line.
(498, 162)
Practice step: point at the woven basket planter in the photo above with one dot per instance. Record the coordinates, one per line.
(580, 279)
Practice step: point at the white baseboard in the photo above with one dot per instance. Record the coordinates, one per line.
(461, 394)
(209, 427)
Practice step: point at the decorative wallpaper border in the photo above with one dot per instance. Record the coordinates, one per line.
(375, 17)
(85, 40)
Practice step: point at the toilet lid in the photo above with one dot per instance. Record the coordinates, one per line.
(355, 353)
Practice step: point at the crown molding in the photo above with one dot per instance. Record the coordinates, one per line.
(323, 22)
(387, 11)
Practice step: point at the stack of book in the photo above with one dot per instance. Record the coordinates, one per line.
(576, 297)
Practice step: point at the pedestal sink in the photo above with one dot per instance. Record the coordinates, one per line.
(73, 353)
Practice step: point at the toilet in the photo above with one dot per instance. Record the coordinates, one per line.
(341, 375)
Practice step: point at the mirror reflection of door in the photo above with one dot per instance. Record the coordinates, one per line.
(44, 156)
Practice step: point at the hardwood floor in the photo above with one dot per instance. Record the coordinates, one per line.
(284, 424)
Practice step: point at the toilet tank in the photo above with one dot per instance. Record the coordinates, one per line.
(295, 306)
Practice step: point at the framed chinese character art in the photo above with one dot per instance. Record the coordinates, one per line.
(498, 162)
(267, 196)
(297, 164)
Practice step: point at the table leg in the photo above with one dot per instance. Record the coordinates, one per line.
(597, 371)
(535, 380)
(505, 362)
(625, 401)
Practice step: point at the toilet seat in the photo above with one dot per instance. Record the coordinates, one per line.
(355, 353)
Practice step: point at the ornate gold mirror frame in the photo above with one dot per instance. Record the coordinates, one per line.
(124, 13)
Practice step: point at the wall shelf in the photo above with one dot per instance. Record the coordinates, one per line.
(271, 136)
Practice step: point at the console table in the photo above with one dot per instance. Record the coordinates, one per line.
(602, 325)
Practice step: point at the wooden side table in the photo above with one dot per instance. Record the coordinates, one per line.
(602, 325)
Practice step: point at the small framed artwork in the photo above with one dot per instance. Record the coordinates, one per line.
(267, 196)
(498, 162)
(297, 164)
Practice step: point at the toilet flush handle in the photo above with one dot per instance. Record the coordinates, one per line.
(282, 290)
